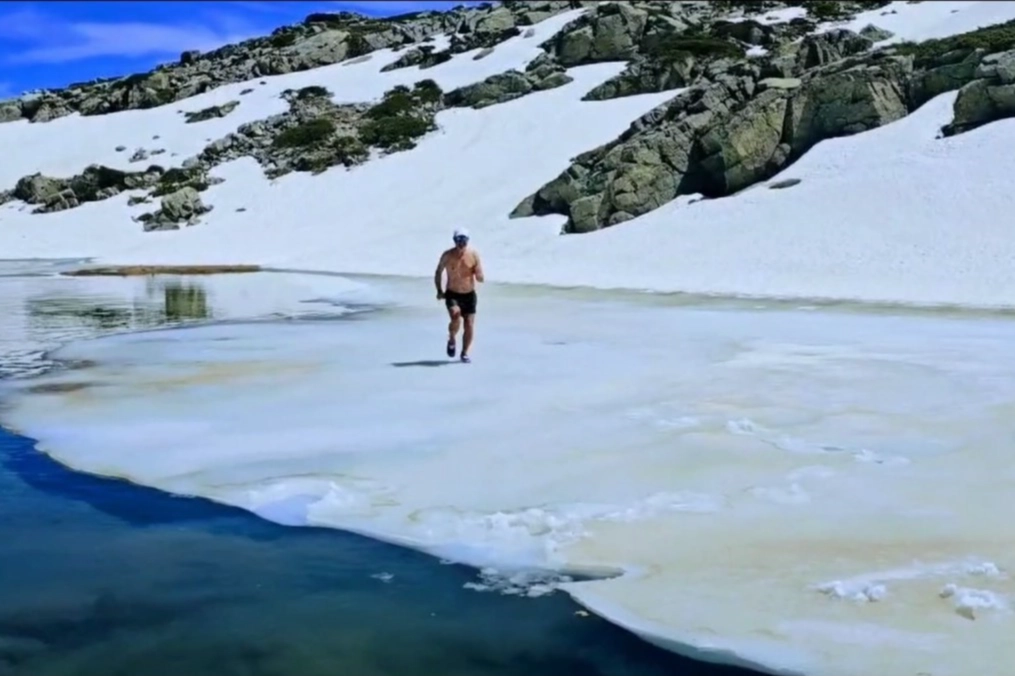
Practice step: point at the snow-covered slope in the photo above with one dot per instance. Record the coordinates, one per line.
(895, 214)
(785, 402)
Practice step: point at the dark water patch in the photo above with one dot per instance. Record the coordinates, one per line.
(133, 504)
(423, 363)
(104, 577)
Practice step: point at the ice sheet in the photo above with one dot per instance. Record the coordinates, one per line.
(807, 490)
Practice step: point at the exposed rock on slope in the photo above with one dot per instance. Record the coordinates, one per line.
(316, 133)
(756, 95)
(95, 183)
(744, 121)
(320, 40)
(990, 97)
(541, 74)
(211, 112)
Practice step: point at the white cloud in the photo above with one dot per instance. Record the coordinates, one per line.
(44, 38)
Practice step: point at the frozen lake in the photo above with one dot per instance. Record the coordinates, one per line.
(805, 489)
(104, 577)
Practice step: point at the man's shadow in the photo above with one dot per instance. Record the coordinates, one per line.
(423, 363)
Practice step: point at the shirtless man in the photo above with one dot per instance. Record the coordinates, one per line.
(464, 269)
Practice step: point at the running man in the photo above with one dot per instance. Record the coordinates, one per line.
(464, 269)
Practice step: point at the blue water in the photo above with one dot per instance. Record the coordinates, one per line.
(103, 577)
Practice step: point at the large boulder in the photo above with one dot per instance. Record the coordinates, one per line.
(610, 32)
(720, 137)
(988, 98)
(95, 183)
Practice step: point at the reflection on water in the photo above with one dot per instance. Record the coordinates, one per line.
(104, 577)
(185, 302)
(165, 302)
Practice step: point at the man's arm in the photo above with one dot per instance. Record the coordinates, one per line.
(439, 273)
(479, 269)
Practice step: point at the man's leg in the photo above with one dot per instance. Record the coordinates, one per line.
(455, 313)
(470, 322)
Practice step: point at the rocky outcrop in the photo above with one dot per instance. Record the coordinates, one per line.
(424, 56)
(211, 112)
(988, 98)
(312, 136)
(741, 122)
(721, 137)
(541, 74)
(183, 206)
(320, 40)
(875, 33)
(95, 183)
(316, 134)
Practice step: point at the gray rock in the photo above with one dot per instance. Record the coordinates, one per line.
(831, 46)
(211, 112)
(138, 155)
(610, 32)
(875, 34)
(989, 98)
(95, 183)
(322, 39)
(785, 183)
(10, 111)
(541, 74)
(720, 137)
(183, 205)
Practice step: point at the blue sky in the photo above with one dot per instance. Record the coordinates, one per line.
(52, 44)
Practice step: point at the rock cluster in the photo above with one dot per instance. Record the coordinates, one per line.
(320, 40)
(740, 121)
(750, 96)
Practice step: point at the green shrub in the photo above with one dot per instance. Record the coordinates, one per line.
(394, 133)
(132, 80)
(282, 40)
(106, 177)
(176, 178)
(312, 91)
(306, 134)
(674, 47)
(358, 45)
(427, 91)
(996, 38)
(825, 10)
(176, 175)
(396, 101)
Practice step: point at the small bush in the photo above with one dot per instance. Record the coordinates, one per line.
(996, 38)
(676, 47)
(825, 10)
(132, 80)
(358, 45)
(394, 133)
(176, 175)
(107, 177)
(396, 101)
(437, 58)
(282, 40)
(312, 91)
(176, 178)
(427, 91)
(306, 134)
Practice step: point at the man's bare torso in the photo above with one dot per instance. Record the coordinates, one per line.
(461, 269)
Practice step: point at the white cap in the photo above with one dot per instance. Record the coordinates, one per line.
(460, 232)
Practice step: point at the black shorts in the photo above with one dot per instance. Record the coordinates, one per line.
(466, 302)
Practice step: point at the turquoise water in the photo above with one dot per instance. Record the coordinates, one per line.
(103, 577)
